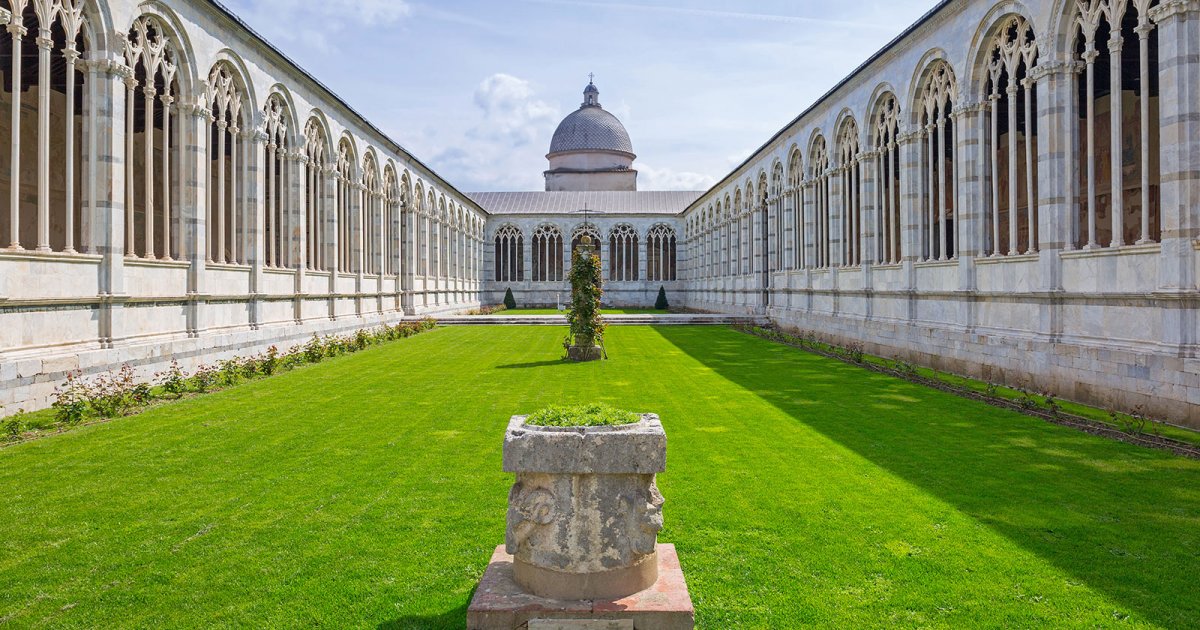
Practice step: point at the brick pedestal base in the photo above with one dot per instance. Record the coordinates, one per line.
(499, 604)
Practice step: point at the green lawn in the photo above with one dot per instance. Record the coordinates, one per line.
(366, 491)
(607, 311)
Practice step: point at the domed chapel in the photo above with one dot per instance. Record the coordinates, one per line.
(591, 189)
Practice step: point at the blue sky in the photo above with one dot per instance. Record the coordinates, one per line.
(475, 88)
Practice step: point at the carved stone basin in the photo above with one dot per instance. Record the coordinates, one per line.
(584, 513)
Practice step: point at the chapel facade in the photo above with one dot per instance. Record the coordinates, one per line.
(1008, 190)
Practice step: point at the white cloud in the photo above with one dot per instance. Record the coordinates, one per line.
(650, 178)
(505, 150)
(314, 23)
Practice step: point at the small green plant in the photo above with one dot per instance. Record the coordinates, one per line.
(661, 303)
(173, 381)
(991, 390)
(71, 400)
(270, 361)
(14, 425)
(1133, 423)
(1026, 400)
(1051, 404)
(231, 371)
(904, 368)
(510, 302)
(205, 378)
(854, 352)
(590, 415)
(314, 350)
(112, 394)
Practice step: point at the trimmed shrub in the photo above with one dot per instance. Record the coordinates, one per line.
(661, 303)
(510, 302)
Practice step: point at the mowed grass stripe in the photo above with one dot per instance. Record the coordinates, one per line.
(367, 491)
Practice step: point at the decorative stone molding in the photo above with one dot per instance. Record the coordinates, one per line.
(1171, 8)
(584, 513)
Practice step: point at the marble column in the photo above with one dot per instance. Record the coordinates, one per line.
(1178, 23)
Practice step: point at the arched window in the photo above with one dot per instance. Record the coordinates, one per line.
(344, 207)
(780, 223)
(372, 214)
(577, 235)
(315, 150)
(1117, 44)
(660, 254)
(225, 161)
(510, 254)
(720, 243)
(547, 254)
(887, 169)
(150, 219)
(820, 185)
(277, 225)
(45, 211)
(1012, 106)
(936, 211)
(850, 172)
(391, 223)
(736, 212)
(227, 229)
(623, 254)
(795, 179)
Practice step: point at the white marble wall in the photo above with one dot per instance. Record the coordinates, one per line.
(1115, 326)
(64, 310)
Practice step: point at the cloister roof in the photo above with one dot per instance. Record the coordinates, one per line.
(600, 202)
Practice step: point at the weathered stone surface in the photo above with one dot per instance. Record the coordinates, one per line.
(580, 624)
(584, 513)
(639, 448)
(501, 604)
(584, 353)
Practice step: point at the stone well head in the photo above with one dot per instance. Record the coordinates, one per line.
(584, 513)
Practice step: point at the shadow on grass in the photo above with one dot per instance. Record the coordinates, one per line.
(1119, 518)
(456, 618)
(533, 364)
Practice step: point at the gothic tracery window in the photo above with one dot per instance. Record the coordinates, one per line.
(780, 226)
(660, 254)
(278, 221)
(372, 214)
(795, 181)
(547, 254)
(850, 173)
(936, 213)
(43, 182)
(887, 169)
(150, 143)
(1116, 43)
(820, 185)
(344, 192)
(623, 254)
(1011, 107)
(315, 149)
(510, 254)
(228, 231)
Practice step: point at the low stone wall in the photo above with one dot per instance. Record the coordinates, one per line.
(1165, 386)
(28, 379)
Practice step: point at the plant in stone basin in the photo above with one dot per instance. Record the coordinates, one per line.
(584, 316)
(590, 415)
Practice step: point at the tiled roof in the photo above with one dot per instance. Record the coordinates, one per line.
(590, 128)
(600, 202)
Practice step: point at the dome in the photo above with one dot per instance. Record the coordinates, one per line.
(590, 128)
